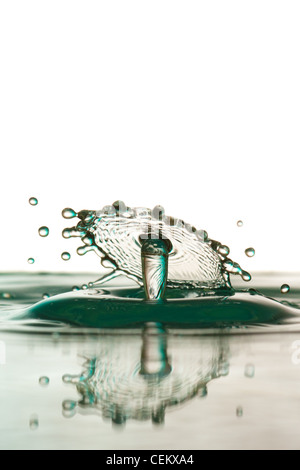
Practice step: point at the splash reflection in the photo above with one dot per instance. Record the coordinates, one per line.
(126, 380)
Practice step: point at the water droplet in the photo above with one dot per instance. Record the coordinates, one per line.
(224, 368)
(44, 381)
(43, 231)
(75, 288)
(69, 408)
(239, 412)
(34, 422)
(249, 371)
(285, 288)
(90, 285)
(158, 212)
(33, 201)
(223, 250)
(246, 276)
(68, 379)
(69, 405)
(68, 213)
(240, 223)
(120, 207)
(46, 296)
(84, 287)
(250, 252)
(31, 261)
(6, 295)
(202, 235)
(66, 233)
(65, 256)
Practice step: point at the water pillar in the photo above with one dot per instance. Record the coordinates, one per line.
(155, 256)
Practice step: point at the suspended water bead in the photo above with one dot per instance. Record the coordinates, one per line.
(250, 252)
(45, 296)
(246, 276)
(33, 201)
(239, 412)
(69, 405)
(44, 381)
(223, 250)
(65, 256)
(249, 371)
(34, 422)
(68, 213)
(31, 261)
(6, 295)
(285, 288)
(84, 287)
(43, 231)
(69, 408)
(240, 223)
(75, 288)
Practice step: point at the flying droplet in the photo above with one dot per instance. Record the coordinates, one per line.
(223, 250)
(65, 256)
(285, 288)
(45, 296)
(239, 412)
(250, 252)
(240, 223)
(69, 405)
(34, 422)
(31, 261)
(33, 201)
(69, 408)
(68, 213)
(249, 371)
(43, 231)
(44, 381)
(246, 276)
(6, 295)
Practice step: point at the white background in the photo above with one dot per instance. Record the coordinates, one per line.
(194, 105)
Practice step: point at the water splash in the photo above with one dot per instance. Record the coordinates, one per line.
(117, 233)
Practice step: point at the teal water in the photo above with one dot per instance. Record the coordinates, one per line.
(222, 384)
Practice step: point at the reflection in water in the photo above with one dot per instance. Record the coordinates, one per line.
(123, 383)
